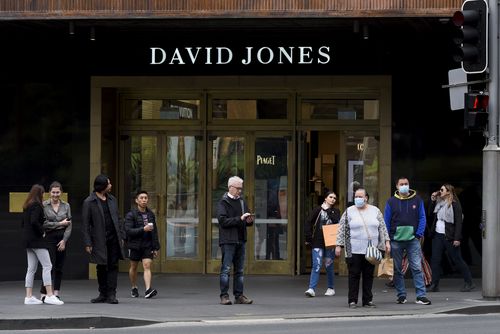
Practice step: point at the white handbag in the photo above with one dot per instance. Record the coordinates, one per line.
(373, 254)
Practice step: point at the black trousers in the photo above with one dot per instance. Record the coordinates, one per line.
(56, 257)
(360, 268)
(107, 274)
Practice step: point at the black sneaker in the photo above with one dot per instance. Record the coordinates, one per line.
(468, 287)
(423, 301)
(134, 293)
(401, 300)
(150, 293)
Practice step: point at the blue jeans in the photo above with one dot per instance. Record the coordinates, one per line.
(414, 254)
(439, 245)
(317, 263)
(232, 255)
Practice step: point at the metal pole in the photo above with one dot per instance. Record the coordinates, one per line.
(491, 224)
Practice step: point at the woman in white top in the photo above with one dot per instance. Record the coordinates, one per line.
(446, 230)
(360, 223)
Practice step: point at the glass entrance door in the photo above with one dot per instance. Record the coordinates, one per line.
(183, 204)
(184, 194)
(339, 161)
(271, 238)
(262, 161)
(168, 168)
(227, 158)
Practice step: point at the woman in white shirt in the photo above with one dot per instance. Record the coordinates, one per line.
(446, 230)
(360, 223)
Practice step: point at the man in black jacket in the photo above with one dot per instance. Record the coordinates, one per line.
(234, 217)
(142, 242)
(103, 237)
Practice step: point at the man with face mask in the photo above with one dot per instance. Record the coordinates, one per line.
(405, 220)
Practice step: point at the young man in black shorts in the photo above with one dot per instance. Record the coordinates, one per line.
(142, 242)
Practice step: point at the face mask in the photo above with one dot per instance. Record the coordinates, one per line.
(404, 189)
(359, 202)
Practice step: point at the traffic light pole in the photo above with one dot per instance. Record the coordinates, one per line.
(491, 173)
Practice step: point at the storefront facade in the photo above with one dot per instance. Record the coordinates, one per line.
(290, 138)
(175, 104)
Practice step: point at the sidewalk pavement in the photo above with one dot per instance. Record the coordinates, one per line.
(196, 298)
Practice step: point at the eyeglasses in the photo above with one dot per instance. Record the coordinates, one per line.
(238, 188)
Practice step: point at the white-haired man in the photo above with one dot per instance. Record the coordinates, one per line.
(234, 217)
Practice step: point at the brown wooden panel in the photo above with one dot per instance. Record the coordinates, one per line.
(19, 9)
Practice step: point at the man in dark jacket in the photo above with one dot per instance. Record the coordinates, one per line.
(234, 217)
(404, 217)
(103, 237)
(142, 242)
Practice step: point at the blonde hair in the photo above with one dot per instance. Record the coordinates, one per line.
(453, 195)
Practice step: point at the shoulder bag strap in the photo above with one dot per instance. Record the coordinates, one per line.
(366, 228)
(315, 223)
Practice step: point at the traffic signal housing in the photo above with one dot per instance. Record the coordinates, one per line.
(476, 111)
(472, 37)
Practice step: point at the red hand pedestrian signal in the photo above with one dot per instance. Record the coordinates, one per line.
(476, 111)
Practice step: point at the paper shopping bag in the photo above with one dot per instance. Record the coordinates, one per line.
(330, 235)
(386, 268)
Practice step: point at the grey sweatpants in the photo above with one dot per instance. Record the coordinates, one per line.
(35, 255)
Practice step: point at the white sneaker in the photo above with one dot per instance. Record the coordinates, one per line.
(310, 293)
(32, 301)
(330, 292)
(53, 300)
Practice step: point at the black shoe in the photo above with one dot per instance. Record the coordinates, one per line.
(370, 305)
(112, 300)
(99, 299)
(433, 288)
(224, 300)
(423, 301)
(150, 293)
(134, 293)
(468, 287)
(401, 300)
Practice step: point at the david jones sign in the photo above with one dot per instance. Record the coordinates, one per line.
(222, 55)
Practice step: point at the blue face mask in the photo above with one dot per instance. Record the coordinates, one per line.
(359, 202)
(404, 189)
